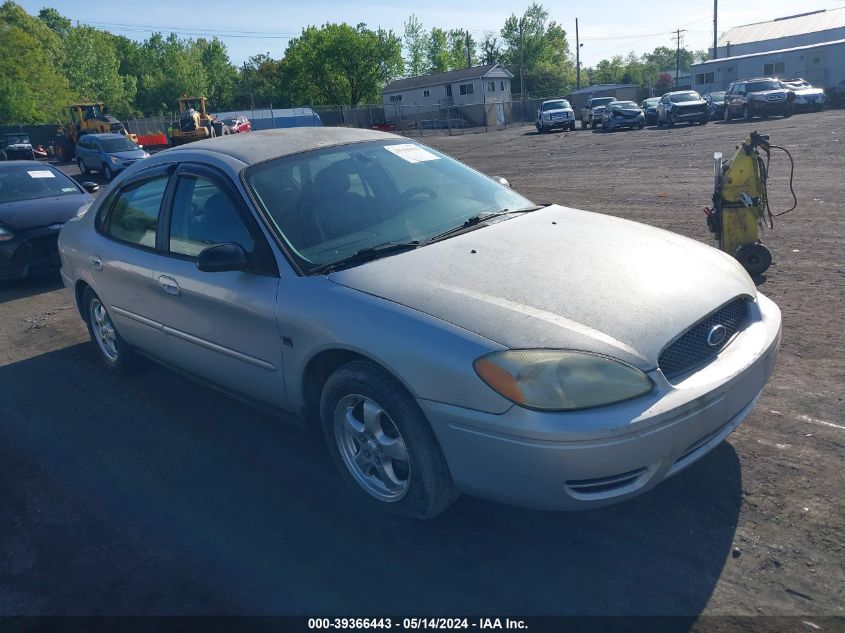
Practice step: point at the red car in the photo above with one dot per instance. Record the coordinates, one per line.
(239, 124)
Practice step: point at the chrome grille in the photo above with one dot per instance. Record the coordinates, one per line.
(692, 349)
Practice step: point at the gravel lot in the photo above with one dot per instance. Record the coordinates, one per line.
(150, 494)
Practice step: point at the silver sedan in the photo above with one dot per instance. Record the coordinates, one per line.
(446, 334)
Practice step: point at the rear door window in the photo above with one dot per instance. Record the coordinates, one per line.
(134, 215)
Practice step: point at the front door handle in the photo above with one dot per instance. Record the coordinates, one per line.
(169, 285)
(96, 263)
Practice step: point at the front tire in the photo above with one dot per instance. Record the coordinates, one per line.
(726, 115)
(82, 168)
(746, 113)
(382, 444)
(115, 353)
(108, 174)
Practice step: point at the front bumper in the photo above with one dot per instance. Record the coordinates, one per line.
(554, 124)
(617, 123)
(582, 459)
(31, 252)
(692, 115)
(759, 106)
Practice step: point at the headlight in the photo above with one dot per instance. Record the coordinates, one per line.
(114, 159)
(560, 380)
(6, 235)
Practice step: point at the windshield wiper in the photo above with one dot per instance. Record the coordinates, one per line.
(367, 254)
(478, 221)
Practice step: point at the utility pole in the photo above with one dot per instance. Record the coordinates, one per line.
(678, 55)
(715, 27)
(469, 52)
(249, 89)
(577, 58)
(521, 58)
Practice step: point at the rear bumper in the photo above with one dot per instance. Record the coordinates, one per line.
(584, 459)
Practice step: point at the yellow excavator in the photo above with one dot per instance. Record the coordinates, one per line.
(741, 205)
(195, 123)
(86, 118)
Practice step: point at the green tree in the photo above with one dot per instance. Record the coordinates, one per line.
(415, 45)
(32, 89)
(222, 76)
(539, 49)
(55, 21)
(340, 64)
(461, 49)
(437, 51)
(91, 67)
(490, 49)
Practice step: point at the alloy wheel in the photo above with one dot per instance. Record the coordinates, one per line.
(371, 447)
(103, 329)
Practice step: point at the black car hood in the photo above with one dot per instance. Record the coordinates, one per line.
(31, 214)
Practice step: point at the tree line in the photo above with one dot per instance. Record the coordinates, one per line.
(47, 63)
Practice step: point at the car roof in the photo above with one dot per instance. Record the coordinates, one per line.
(256, 147)
(7, 165)
(106, 135)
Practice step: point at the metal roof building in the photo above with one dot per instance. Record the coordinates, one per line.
(804, 29)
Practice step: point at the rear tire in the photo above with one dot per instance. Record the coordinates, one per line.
(382, 444)
(115, 353)
(755, 258)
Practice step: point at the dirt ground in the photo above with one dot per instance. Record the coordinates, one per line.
(151, 494)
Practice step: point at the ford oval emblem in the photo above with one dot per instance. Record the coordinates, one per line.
(716, 335)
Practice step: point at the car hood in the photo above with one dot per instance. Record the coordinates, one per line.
(625, 111)
(688, 104)
(808, 91)
(562, 278)
(30, 214)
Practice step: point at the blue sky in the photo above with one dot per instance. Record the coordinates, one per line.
(611, 27)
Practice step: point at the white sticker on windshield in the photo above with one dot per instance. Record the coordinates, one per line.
(41, 173)
(411, 153)
(68, 189)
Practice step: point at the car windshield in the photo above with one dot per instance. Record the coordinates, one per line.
(602, 101)
(30, 181)
(717, 96)
(761, 86)
(556, 105)
(652, 101)
(798, 84)
(684, 96)
(117, 145)
(15, 139)
(330, 204)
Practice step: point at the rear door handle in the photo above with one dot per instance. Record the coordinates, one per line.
(96, 263)
(169, 285)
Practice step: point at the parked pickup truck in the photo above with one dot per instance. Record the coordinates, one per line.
(591, 115)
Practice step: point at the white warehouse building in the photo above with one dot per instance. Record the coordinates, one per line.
(810, 45)
(429, 94)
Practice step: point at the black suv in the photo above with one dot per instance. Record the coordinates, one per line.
(758, 97)
(16, 146)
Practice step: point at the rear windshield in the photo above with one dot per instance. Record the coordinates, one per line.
(28, 182)
(760, 86)
(685, 96)
(117, 145)
(563, 104)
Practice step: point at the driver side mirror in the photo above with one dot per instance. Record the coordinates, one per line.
(90, 187)
(502, 181)
(221, 258)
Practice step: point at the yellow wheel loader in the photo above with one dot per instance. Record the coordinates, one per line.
(195, 123)
(741, 205)
(86, 118)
